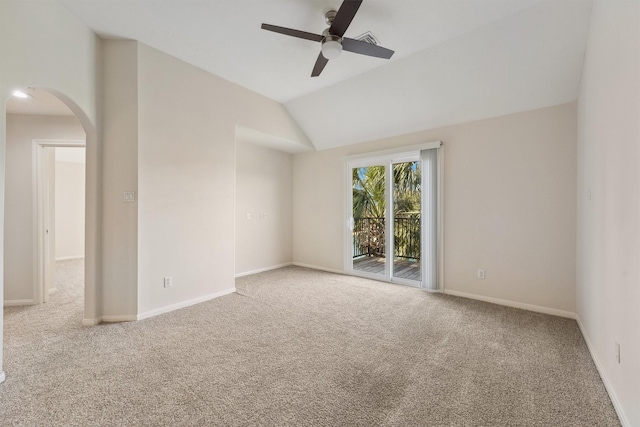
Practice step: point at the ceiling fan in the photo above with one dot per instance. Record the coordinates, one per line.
(332, 40)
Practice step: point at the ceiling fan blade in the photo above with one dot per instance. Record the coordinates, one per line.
(364, 48)
(293, 33)
(321, 62)
(344, 17)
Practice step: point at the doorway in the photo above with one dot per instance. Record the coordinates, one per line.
(38, 122)
(59, 209)
(33, 113)
(392, 201)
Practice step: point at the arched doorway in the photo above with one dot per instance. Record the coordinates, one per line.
(53, 114)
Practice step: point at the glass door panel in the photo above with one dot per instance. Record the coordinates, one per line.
(369, 224)
(406, 220)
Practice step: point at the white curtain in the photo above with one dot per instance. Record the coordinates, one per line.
(429, 163)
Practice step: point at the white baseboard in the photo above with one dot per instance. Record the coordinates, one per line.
(65, 258)
(2, 377)
(109, 319)
(91, 322)
(317, 267)
(153, 313)
(605, 379)
(172, 307)
(119, 318)
(52, 290)
(530, 307)
(262, 270)
(14, 302)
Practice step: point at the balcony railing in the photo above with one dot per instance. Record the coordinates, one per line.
(369, 237)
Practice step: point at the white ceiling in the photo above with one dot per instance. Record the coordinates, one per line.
(40, 102)
(529, 60)
(455, 60)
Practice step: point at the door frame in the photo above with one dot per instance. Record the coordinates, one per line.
(381, 158)
(44, 243)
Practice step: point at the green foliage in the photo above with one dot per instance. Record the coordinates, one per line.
(369, 191)
(406, 190)
(369, 202)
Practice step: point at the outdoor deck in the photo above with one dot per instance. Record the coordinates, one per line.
(403, 268)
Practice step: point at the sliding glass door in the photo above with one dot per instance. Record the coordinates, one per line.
(385, 217)
(392, 216)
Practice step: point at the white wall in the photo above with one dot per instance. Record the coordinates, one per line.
(509, 206)
(43, 45)
(19, 195)
(263, 186)
(608, 269)
(69, 206)
(186, 176)
(120, 174)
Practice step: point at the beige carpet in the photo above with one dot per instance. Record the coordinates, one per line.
(301, 347)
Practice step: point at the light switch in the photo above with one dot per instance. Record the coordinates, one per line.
(129, 196)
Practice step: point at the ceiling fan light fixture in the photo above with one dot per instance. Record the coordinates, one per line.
(331, 47)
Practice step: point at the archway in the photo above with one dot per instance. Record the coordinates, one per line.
(91, 233)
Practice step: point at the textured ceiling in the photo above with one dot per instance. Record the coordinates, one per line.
(455, 60)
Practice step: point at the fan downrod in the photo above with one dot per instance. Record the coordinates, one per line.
(329, 17)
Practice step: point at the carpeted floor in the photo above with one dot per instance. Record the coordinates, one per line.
(301, 347)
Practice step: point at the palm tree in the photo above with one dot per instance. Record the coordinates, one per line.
(368, 192)
(406, 196)
(406, 189)
(369, 204)
(369, 209)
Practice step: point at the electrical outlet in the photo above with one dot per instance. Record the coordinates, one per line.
(618, 352)
(129, 197)
(248, 215)
(168, 282)
(480, 274)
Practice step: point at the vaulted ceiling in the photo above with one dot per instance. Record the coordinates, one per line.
(455, 60)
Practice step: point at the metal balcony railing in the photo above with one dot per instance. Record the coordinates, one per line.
(369, 237)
